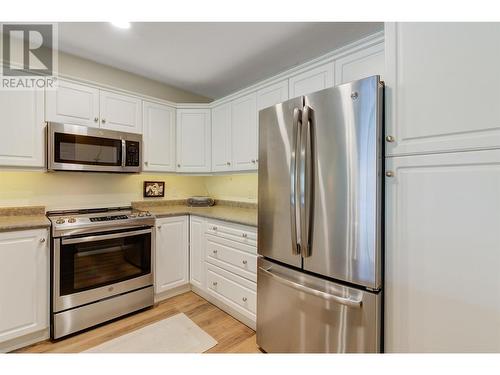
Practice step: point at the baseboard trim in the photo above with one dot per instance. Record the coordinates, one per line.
(172, 292)
(23, 341)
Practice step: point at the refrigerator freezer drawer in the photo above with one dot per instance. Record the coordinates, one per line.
(299, 313)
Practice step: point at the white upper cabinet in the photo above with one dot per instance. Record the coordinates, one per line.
(73, 103)
(364, 63)
(221, 138)
(442, 87)
(193, 140)
(245, 133)
(22, 134)
(120, 112)
(442, 253)
(159, 137)
(272, 95)
(24, 277)
(312, 80)
(172, 253)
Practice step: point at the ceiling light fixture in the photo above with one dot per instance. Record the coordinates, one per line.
(121, 24)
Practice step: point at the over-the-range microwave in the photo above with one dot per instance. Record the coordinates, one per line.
(81, 148)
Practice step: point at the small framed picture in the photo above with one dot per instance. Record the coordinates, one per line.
(154, 189)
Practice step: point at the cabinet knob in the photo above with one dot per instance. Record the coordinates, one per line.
(244, 299)
(96, 119)
(42, 240)
(146, 163)
(253, 161)
(159, 227)
(244, 235)
(178, 165)
(214, 251)
(245, 262)
(214, 283)
(214, 228)
(389, 174)
(389, 138)
(103, 121)
(228, 163)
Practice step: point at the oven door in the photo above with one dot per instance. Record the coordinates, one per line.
(97, 266)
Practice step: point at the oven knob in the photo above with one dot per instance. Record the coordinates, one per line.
(60, 221)
(71, 220)
(148, 213)
(133, 215)
(141, 214)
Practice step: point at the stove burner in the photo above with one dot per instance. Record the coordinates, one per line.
(108, 218)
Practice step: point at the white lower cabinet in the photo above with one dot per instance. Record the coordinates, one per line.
(24, 284)
(172, 253)
(443, 253)
(196, 251)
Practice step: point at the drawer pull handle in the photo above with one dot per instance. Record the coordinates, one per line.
(244, 235)
(244, 262)
(214, 251)
(244, 299)
(214, 283)
(214, 228)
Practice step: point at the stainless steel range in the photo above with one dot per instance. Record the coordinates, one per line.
(101, 266)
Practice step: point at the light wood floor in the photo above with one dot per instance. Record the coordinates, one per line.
(231, 335)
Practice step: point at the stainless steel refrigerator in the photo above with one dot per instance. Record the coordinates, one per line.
(319, 281)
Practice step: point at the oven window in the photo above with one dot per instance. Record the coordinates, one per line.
(82, 149)
(89, 265)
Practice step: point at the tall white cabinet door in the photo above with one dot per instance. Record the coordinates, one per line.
(364, 63)
(442, 253)
(120, 112)
(159, 137)
(245, 133)
(197, 251)
(272, 95)
(221, 138)
(24, 283)
(193, 140)
(442, 87)
(22, 128)
(73, 103)
(311, 80)
(172, 252)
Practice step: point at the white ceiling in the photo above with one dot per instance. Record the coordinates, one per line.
(210, 59)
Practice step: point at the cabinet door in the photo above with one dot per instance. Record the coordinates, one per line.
(22, 129)
(272, 95)
(312, 80)
(197, 252)
(73, 103)
(364, 63)
(221, 138)
(159, 137)
(442, 87)
(193, 140)
(171, 261)
(442, 253)
(24, 283)
(245, 133)
(120, 112)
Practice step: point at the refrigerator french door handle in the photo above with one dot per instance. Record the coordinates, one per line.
(354, 303)
(297, 116)
(306, 181)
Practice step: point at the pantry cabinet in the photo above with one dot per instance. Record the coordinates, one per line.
(442, 253)
(73, 103)
(442, 87)
(245, 133)
(193, 129)
(22, 129)
(222, 148)
(24, 276)
(159, 137)
(120, 112)
(172, 253)
(311, 80)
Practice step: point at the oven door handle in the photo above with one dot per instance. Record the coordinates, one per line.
(100, 237)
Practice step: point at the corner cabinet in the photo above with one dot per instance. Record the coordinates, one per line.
(171, 253)
(24, 284)
(159, 137)
(222, 148)
(193, 140)
(245, 132)
(22, 129)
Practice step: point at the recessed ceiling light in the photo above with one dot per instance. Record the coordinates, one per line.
(121, 24)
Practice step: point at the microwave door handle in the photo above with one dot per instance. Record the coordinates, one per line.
(69, 241)
(124, 151)
(297, 113)
(306, 180)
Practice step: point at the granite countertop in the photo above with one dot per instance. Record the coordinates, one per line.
(234, 212)
(23, 218)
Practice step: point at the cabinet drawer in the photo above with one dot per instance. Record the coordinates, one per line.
(225, 254)
(232, 290)
(235, 232)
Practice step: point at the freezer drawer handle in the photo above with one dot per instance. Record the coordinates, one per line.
(331, 297)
